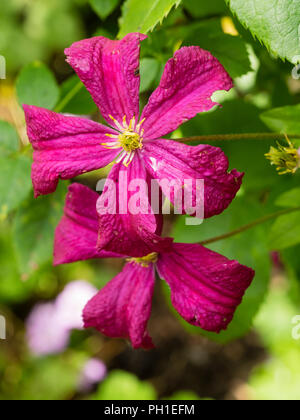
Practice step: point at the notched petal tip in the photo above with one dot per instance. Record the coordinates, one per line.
(108, 69)
(123, 307)
(206, 288)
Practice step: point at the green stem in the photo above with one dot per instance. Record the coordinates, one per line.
(243, 136)
(250, 225)
(64, 102)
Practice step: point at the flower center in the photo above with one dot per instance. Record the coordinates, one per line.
(130, 141)
(285, 158)
(145, 261)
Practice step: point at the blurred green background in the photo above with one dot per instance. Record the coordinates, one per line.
(257, 358)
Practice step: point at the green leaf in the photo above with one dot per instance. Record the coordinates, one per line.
(184, 396)
(34, 227)
(204, 8)
(149, 68)
(80, 102)
(275, 23)
(120, 385)
(9, 140)
(289, 199)
(104, 8)
(248, 248)
(285, 232)
(143, 16)
(230, 50)
(15, 182)
(284, 120)
(11, 286)
(40, 379)
(36, 85)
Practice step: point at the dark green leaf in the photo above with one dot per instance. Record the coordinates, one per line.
(81, 102)
(285, 232)
(283, 120)
(34, 227)
(15, 182)
(289, 199)
(104, 7)
(149, 68)
(247, 156)
(275, 23)
(230, 50)
(143, 16)
(9, 140)
(37, 86)
(204, 8)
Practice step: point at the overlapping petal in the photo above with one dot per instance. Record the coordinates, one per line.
(171, 160)
(123, 307)
(206, 287)
(126, 221)
(110, 72)
(188, 82)
(77, 233)
(64, 147)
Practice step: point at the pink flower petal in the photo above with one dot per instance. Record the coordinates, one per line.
(134, 235)
(171, 160)
(206, 287)
(110, 72)
(64, 147)
(76, 235)
(189, 80)
(123, 307)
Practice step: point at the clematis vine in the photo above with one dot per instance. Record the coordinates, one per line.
(206, 287)
(65, 147)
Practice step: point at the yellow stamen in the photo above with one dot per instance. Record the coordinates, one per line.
(138, 127)
(130, 139)
(145, 261)
(285, 158)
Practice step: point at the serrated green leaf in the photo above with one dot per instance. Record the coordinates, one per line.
(249, 248)
(34, 227)
(143, 16)
(274, 22)
(284, 120)
(285, 232)
(104, 8)
(15, 182)
(9, 140)
(36, 85)
(289, 199)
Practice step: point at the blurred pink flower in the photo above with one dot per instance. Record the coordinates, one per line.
(93, 372)
(65, 147)
(206, 287)
(49, 325)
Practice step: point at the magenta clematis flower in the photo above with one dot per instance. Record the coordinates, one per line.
(206, 287)
(65, 147)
